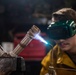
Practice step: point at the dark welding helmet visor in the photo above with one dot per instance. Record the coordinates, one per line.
(61, 29)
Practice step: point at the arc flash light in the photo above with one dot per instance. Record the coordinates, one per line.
(38, 37)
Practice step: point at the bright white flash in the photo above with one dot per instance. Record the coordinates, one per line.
(38, 37)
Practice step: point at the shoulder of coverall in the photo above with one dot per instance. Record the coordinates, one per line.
(69, 12)
(59, 58)
(47, 59)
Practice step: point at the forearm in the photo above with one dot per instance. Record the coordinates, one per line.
(43, 71)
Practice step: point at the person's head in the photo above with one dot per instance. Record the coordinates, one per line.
(63, 29)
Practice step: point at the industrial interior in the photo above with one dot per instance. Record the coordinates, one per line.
(17, 17)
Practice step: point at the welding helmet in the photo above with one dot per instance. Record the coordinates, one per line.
(61, 29)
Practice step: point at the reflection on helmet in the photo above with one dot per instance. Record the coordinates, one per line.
(61, 29)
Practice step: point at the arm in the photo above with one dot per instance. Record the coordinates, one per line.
(45, 64)
(49, 60)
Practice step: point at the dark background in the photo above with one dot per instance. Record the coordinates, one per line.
(18, 16)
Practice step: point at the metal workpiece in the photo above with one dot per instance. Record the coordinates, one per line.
(26, 40)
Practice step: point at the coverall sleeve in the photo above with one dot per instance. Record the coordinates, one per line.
(45, 64)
